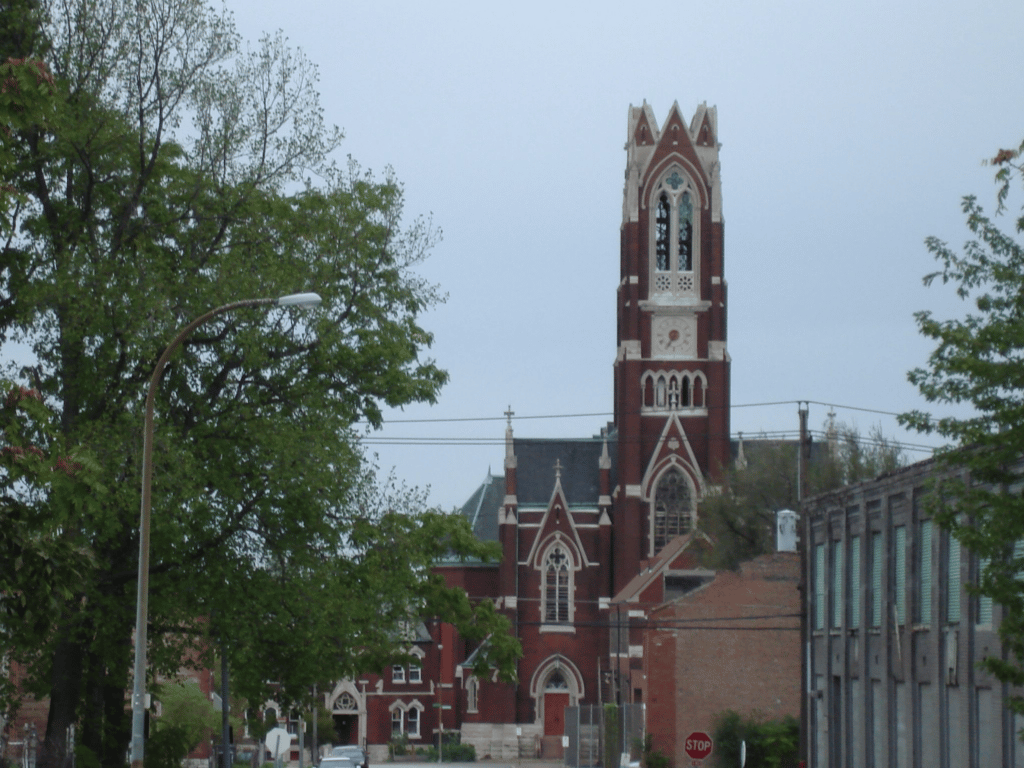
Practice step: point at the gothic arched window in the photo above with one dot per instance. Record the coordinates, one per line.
(685, 233)
(556, 586)
(673, 508)
(661, 235)
(675, 236)
(412, 722)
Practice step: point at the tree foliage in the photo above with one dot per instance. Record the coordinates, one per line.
(741, 519)
(187, 719)
(978, 366)
(169, 170)
(768, 742)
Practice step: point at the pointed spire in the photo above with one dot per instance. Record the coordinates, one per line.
(832, 434)
(741, 459)
(510, 457)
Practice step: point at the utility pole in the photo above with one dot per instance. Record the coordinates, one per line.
(803, 539)
(225, 706)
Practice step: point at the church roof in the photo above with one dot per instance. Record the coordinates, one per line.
(578, 463)
(481, 509)
(580, 477)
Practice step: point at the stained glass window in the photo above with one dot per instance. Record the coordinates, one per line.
(661, 226)
(672, 508)
(685, 233)
(556, 583)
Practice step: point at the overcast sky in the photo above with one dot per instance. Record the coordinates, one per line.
(849, 131)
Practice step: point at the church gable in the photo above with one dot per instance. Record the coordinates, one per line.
(702, 128)
(676, 146)
(644, 132)
(673, 450)
(558, 525)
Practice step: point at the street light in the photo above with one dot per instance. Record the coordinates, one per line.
(142, 599)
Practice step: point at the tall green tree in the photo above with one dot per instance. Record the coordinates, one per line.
(741, 519)
(977, 366)
(179, 171)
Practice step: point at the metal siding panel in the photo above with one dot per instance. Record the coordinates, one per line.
(876, 579)
(984, 603)
(925, 576)
(900, 560)
(819, 586)
(837, 584)
(855, 583)
(953, 582)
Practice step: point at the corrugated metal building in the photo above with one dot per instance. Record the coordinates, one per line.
(895, 638)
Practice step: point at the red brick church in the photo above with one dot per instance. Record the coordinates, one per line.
(597, 530)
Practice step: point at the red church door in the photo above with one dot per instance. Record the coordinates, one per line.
(554, 713)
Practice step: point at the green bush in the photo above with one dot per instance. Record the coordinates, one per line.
(454, 750)
(399, 745)
(651, 757)
(84, 758)
(167, 747)
(773, 743)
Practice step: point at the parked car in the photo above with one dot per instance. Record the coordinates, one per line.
(355, 754)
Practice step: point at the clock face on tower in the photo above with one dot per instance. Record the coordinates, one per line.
(674, 336)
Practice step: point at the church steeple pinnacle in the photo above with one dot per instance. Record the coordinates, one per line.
(510, 456)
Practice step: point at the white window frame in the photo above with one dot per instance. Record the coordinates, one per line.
(413, 717)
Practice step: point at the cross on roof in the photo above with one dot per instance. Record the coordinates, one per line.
(509, 414)
(558, 469)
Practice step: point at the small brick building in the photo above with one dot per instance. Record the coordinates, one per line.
(733, 643)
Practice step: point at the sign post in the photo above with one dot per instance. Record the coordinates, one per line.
(698, 746)
(274, 739)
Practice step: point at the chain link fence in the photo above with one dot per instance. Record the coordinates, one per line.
(602, 735)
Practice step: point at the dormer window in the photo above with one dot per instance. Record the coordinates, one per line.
(674, 259)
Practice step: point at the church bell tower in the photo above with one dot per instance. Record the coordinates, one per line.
(671, 365)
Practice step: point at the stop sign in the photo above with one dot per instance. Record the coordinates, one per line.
(698, 745)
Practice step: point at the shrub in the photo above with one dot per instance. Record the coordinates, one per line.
(399, 745)
(773, 743)
(454, 750)
(651, 757)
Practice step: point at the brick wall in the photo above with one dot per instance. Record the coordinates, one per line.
(732, 644)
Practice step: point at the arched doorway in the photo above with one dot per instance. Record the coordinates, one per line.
(556, 699)
(345, 711)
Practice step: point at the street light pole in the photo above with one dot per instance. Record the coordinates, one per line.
(142, 598)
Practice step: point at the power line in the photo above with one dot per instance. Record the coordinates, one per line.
(777, 435)
(609, 415)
